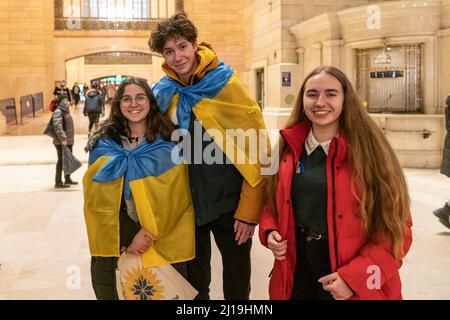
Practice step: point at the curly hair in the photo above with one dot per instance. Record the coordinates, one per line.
(176, 26)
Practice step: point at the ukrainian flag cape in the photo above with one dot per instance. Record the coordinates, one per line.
(159, 189)
(226, 110)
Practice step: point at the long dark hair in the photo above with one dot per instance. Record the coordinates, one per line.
(157, 123)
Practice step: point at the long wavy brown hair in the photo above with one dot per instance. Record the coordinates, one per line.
(377, 178)
(158, 124)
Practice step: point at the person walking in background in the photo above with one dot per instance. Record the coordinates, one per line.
(93, 107)
(201, 93)
(62, 89)
(76, 94)
(338, 213)
(111, 90)
(103, 92)
(64, 136)
(444, 213)
(127, 156)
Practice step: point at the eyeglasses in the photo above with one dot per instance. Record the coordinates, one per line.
(126, 101)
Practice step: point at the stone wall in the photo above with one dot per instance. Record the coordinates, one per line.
(219, 23)
(26, 50)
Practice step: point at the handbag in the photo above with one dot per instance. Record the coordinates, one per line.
(162, 282)
(50, 130)
(52, 105)
(69, 162)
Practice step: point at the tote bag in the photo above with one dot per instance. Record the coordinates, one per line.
(69, 162)
(162, 282)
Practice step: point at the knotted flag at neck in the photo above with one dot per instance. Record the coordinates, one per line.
(208, 87)
(147, 159)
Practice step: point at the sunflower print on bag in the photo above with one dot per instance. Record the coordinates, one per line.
(143, 285)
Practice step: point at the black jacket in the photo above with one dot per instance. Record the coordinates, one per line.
(215, 188)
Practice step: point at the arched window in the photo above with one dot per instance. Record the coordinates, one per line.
(111, 14)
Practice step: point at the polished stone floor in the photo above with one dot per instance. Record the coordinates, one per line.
(43, 245)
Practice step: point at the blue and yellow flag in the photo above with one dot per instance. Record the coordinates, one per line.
(222, 104)
(160, 190)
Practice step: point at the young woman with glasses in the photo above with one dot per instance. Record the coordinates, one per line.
(129, 163)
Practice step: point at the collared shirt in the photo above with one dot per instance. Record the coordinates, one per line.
(311, 144)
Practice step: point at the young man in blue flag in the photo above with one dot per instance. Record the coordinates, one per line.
(205, 99)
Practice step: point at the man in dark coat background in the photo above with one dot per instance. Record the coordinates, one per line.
(444, 213)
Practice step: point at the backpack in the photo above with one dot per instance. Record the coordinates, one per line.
(92, 104)
(52, 106)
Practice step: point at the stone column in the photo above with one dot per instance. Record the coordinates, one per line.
(179, 6)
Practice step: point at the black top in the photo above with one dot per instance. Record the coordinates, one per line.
(215, 187)
(309, 191)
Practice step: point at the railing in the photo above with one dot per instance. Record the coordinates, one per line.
(91, 24)
(8, 108)
(31, 103)
(38, 102)
(26, 106)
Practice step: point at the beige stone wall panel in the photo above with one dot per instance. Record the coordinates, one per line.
(220, 24)
(26, 34)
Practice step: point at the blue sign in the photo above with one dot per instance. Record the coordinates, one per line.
(285, 79)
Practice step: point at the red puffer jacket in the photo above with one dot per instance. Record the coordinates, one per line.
(356, 261)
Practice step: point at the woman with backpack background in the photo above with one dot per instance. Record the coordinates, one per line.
(94, 106)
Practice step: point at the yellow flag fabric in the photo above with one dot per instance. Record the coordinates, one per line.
(164, 207)
(237, 117)
(232, 108)
(229, 118)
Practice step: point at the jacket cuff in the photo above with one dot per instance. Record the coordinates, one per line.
(250, 203)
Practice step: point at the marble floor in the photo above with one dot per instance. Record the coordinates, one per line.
(43, 245)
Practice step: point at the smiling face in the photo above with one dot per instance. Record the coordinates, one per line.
(180, 56)
(323, 100)
(135, 104)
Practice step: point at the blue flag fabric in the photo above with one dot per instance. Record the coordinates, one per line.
(147, 159)
(208, 87)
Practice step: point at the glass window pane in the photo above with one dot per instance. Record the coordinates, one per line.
(86, 4)
(112, 9)
(94, 8)
(118, 9)
(145, 9)
(128, 9)
(137, 8)
(102, 9)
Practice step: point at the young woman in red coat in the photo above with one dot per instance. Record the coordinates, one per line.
(337, 217)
